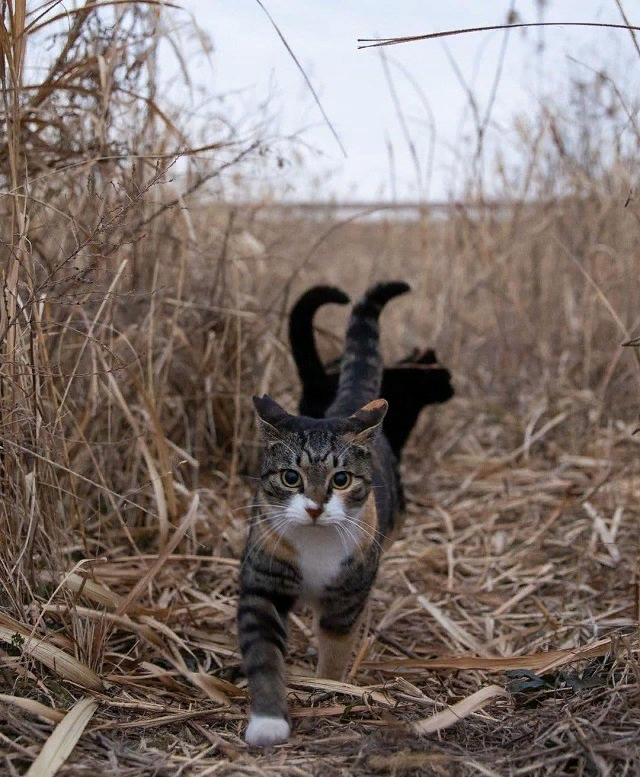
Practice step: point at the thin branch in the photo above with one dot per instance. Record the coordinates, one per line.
(305, 76)
(630, 28)
(369, 43)
(403, 123)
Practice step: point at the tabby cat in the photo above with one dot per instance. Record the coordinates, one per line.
(329, 498)
(409, 385)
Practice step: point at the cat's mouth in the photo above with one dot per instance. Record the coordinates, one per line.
(320, 521)
(323, 521)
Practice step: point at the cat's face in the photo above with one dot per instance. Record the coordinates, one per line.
(316, 472)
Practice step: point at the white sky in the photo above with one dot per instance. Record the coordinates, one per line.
(249, 57)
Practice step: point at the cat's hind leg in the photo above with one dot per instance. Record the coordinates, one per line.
(336, 641)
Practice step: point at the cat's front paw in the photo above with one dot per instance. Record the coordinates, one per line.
(265, 730)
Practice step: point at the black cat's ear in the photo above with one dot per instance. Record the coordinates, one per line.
(428, 356)
(270, 413)
(365, 423)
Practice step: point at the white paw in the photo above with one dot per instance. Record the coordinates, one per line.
(264, 730)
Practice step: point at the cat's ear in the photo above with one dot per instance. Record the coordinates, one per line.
(272, 416)
(366, 422)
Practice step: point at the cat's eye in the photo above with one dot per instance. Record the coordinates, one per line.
(290, 478)
(341, 480)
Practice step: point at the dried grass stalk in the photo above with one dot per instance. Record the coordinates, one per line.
(63, 739)
(459, 711)
(34, 707)
(335, 686)
(55, 658)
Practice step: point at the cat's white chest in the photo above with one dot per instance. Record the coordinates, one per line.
(321, 551)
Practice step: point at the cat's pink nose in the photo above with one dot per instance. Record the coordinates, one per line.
(313, 512)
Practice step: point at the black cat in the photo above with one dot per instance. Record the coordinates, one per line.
(409, 385)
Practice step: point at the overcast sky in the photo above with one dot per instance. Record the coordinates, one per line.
(250, 61)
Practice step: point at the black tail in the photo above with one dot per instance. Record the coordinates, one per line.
(361, 367)
(303, 344)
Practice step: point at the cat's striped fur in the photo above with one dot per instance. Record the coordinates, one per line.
(362, 365)
(328, 501)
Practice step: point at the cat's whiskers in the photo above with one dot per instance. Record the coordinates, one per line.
(345, 531)
(249, 506)
(260, 518)
(357, 539)
(270, 524)
(270, 529)
(371, 534)
(344, 535)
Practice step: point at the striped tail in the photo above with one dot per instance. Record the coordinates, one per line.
(361, 367)
(301, 337)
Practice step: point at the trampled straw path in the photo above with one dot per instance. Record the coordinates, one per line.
(527, 570)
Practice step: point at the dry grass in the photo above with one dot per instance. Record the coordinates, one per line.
(137, 321)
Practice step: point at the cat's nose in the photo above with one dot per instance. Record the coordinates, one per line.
(313, 512)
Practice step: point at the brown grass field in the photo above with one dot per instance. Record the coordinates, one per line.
(138, 317)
